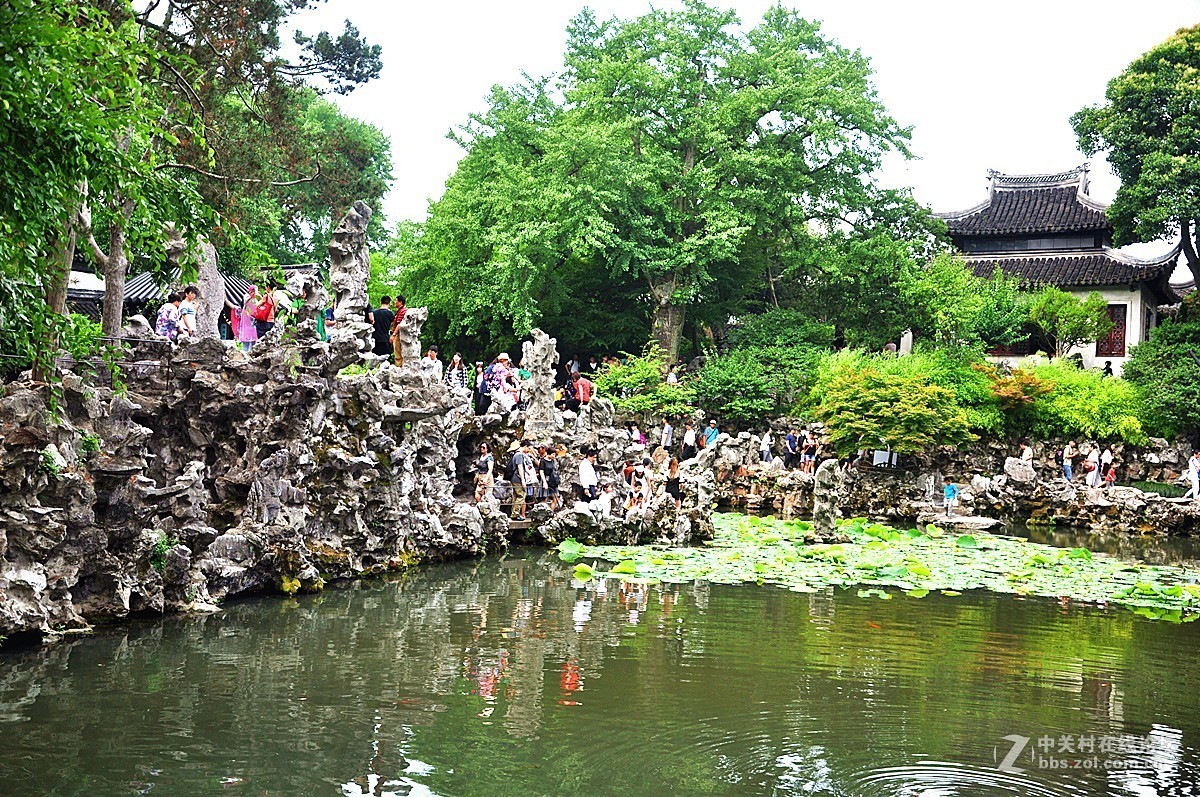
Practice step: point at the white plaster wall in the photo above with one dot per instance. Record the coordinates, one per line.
(1136, 302)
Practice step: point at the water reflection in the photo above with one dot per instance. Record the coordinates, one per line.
(509, 678)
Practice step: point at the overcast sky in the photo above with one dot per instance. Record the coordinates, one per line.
(984, 85)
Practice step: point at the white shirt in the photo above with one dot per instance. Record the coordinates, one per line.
(766, 441)
(667, 434)
(1107, 457)
(604, 504)
(689, 437)
(432, 369)
(282, 299)
(587, 474)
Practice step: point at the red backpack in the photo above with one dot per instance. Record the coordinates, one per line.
(265, 310)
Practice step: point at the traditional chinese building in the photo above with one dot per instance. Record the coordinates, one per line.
(1046, 230)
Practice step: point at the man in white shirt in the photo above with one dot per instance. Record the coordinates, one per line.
(589, 482)
(431, 366)
(689, 441)
(668, 435)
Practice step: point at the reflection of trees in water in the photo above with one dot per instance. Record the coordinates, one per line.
(484, 668)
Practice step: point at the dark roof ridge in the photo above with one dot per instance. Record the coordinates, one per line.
(1169, 256)
(1069, 178)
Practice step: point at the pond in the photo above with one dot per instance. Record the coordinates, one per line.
(505, 677)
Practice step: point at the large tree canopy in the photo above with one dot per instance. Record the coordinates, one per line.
(678, 154)
(1149, 129)
(122, 119)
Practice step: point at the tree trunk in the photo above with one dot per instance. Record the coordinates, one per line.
(115, 269)
(1189, 249)
(61, 258)
(667, 328)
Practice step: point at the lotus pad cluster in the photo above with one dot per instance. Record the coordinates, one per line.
(880, 560)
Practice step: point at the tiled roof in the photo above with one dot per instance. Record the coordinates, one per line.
(144, 288)
(1076, 269)
(1030, 210)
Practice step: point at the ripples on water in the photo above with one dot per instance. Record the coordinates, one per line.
(505, 678)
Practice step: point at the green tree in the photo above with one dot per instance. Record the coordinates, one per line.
(193, 57)
(868, 402)
(1167, 375)
(949, 303)
(1069, 321)
(683, 141)
(1149, 130)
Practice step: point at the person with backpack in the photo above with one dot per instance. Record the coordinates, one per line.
(524, 479)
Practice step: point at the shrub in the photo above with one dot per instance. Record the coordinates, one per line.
(738, 386)
(872, 400)
(1086, 404)
(637, 386)
(1168, 379)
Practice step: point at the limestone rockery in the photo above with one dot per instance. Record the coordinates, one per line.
(215, 472)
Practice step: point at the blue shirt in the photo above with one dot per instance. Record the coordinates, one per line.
(951, 492)
(710, 434)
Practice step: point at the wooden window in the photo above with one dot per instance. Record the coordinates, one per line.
(1114, 344)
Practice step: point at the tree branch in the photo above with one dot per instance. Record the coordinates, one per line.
(84, 217)
(215, 176)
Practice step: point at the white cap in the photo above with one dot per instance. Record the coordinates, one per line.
(502, 356)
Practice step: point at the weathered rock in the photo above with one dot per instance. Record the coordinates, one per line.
(827, 497)
(1019, 470)
(539, 356)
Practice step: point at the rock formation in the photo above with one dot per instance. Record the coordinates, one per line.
(539, 356)
(826, 498)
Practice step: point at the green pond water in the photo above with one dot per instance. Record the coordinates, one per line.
(505, 676)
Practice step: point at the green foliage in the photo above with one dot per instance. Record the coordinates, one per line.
(870, 401)
(637, 386)
(1148, 129)
(1017, 390)
(687, 157)
(83, 337)
(780, 327)
(1068, 321)
(949, 303)
(1086, 404)
(879, 558)
(163, 543)
(50, 463)
(738, 386)
(1167, 378)
(89, 443)
(353, 370)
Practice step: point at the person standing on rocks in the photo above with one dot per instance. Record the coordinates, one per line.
(167, 324)
(548, 471)
(791, 449)
(1193, 474)
(689, 441)
(187, 312)
(525, 479)
(764, 447)
(1069, 454)
(1027, 453)
(710, 434)
(383, 317)
(1092, 466)
(431, 366)
(589, 481)
(666, 437)
(950, 496)
(485, 472)
(672, 484)
(394, 334)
